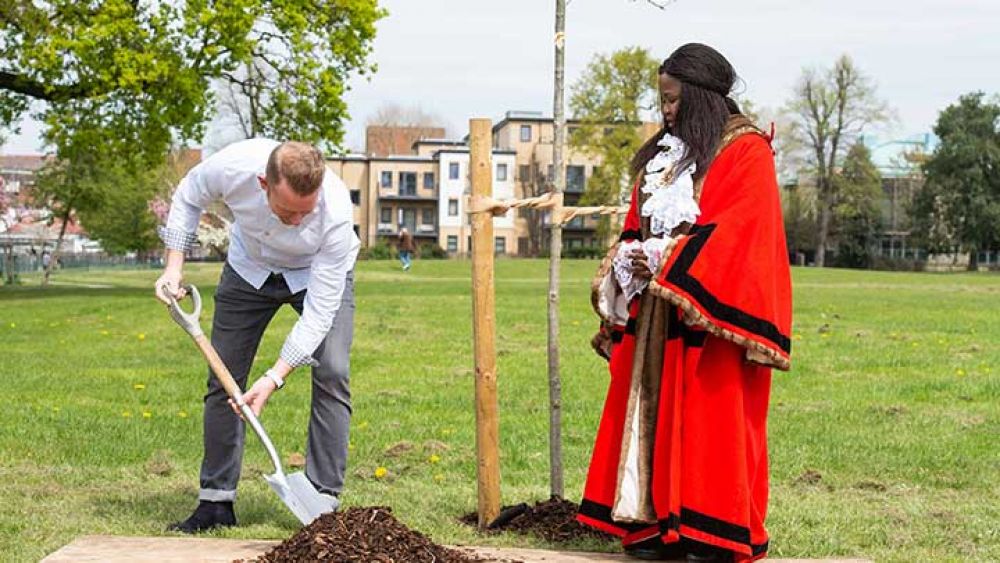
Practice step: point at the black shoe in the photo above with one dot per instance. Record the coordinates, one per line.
(655, 550)
(207, 516)
(698, 552)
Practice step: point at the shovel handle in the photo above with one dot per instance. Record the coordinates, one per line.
(190, 323)
(219, 368)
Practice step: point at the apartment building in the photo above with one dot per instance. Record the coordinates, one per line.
(426, 187)
(427, 191)
(531, 135)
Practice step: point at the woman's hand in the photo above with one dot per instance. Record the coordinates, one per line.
(640, 264)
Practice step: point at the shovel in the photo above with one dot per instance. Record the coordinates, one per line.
(295, 490)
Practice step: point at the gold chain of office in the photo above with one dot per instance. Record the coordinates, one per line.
(551, 200)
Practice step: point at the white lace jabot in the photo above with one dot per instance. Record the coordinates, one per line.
(671, 193)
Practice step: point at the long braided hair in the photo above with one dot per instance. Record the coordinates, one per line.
(706, 79)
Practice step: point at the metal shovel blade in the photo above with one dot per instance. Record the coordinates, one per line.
(300, 496)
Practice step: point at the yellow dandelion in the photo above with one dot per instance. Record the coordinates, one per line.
(797, 337)
(105, 333)
(147, 414)
(447, 431)
(13, 325)
(381, 472)
(940, 340)
(914, 344)
(363, 425)
(826, 335)
(576, 323)
(182, 414)
(139, 386)
(434, 458)
(141, 336)
(439, 477)
(126, 414)
(960, 372)
(350, 445)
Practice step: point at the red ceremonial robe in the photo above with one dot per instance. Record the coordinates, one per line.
(685, 453)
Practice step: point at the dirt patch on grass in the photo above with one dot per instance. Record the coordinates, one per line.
(370, 534)
(553, 520)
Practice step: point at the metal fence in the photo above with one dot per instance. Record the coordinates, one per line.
(26, 263)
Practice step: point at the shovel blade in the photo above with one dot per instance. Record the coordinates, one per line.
(301, 497)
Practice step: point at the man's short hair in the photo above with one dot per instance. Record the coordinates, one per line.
(299, 164)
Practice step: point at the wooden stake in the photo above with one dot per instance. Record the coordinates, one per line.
(484, 325)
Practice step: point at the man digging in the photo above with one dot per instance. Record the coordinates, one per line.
(292, 241)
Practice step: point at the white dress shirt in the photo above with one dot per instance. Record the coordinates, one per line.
(316, 255)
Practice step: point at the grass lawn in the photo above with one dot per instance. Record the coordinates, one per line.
(884, 439)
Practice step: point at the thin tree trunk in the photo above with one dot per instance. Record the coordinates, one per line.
(973, 260)
(824, 227)
(555, 252)
(55, 252)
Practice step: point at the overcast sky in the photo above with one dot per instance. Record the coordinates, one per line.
(475, 58)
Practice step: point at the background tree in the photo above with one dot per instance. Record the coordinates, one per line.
(128, 78)
(831, 108)
(958, 206)
(65, 187)
(857, 214)
(610, 101)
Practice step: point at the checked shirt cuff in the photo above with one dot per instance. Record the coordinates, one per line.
(177, 240)
(295, 357)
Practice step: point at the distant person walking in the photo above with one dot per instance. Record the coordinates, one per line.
(406, 248)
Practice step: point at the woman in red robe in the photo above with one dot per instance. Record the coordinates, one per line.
(695, 302)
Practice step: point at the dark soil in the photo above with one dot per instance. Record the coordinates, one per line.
(553, 520)
(370, 534)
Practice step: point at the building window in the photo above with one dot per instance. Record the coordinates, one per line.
(356, 197)
(386, 217)
(386, 179)
(452, 208)
(407, 183)
(427, 217)
(452, 243)
(453, 171)
(575, 179)
(429, 180)
(501, 172)
(526, 133)
(524, 173)
(500, 245)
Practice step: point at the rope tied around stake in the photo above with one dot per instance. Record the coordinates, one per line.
(550, 200)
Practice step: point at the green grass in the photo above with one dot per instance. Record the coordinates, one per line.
(896, 408)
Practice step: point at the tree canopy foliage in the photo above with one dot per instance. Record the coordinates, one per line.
(958, 206)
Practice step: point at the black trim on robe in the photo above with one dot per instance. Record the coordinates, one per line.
(678, 275)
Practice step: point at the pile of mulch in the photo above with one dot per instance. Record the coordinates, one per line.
(370, 534)
(553, 520)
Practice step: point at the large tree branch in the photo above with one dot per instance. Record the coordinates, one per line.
(35, 89)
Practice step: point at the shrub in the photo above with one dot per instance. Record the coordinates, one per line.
(431, 251)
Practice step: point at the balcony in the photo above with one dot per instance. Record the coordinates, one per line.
(419, 196)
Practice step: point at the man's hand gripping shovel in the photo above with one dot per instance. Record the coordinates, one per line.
(295, 490)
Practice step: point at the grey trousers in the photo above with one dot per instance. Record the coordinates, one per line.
(242, 312)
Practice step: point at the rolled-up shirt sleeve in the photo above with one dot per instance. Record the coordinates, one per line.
(192, 195)
(324, 295)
